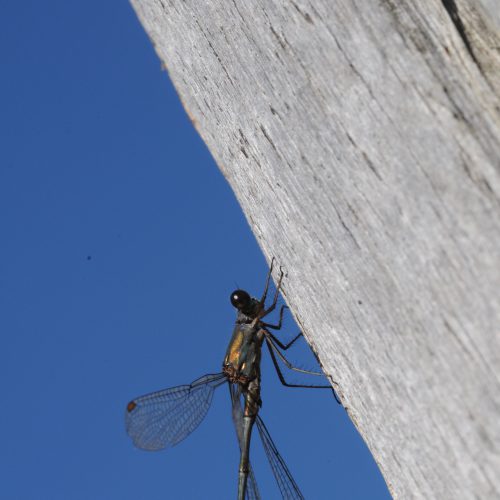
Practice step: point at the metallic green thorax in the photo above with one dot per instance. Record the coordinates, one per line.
(242, 360)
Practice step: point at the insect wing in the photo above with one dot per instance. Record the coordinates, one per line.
(164, 418)
(252, 492)
(287, 485)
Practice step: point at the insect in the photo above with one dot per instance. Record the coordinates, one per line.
(164, 418)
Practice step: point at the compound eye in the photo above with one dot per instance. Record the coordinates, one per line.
(240, 299)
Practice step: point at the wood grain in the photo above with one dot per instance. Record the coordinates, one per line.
(362, 142)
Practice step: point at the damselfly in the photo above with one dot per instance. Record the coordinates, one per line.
(164, 418)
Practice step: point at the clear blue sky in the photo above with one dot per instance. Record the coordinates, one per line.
(120, 245)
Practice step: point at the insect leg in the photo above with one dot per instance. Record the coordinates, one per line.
(264, 295)
(280, 344)
(275, 298)
(278, 326)
(270, 347)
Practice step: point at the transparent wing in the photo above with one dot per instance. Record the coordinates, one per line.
(165, 418)
(252, 492)
(286, 483)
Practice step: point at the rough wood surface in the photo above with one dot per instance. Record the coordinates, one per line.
(362, 141)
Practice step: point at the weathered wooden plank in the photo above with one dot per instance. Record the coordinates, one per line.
(362, 141)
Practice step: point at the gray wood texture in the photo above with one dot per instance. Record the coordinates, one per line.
(362, 141)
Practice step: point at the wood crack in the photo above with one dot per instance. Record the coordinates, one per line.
(452, 10)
